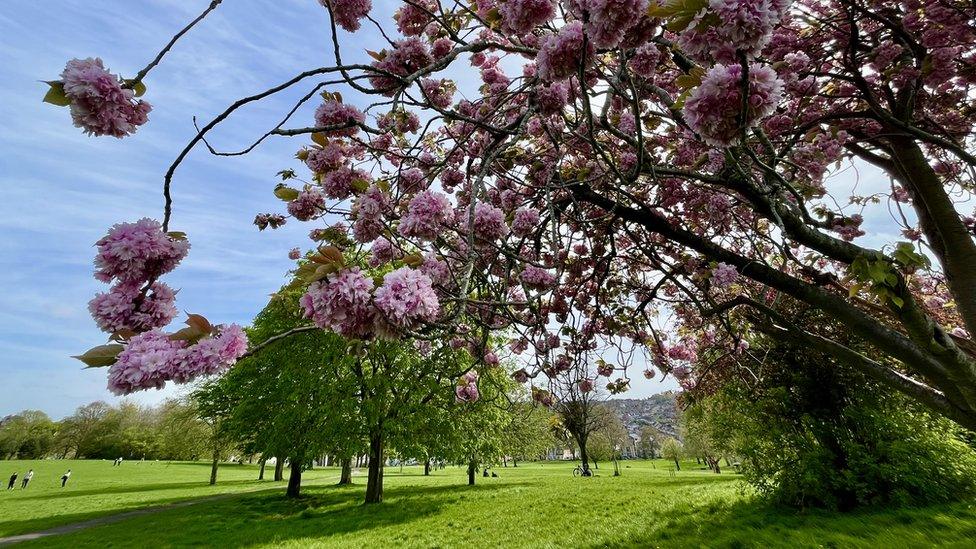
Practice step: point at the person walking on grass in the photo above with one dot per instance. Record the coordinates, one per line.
(27, 479)
(13, 480)
(65, 477)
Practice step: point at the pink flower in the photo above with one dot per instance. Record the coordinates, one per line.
(339, 184)
(585, 385)
(561, 54)
(148, 361)
(742, 25)
(537, 278)
(526, 220)
(369, 210)
(382, 252)
(414, 16)
(326, 159)
(137, 251)
(436, 269)
(333, 113)
(341, 304)
(608, 20)
(489, 223)
(467, 388)
(604, 369)
(713, 108)
(99, 103)
(348, 13)
(263, 221)
(520, 376)
(309, 204)
(440, 92)
(294, 253)
(522, 16)
(406, 298)
(551, 98)
(211, 355)
(117, 309)
(648, 373)
(412, 180)
(724, 275)
(407, 57)
(427, 215)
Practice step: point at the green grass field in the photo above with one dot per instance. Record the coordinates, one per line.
(535, 505)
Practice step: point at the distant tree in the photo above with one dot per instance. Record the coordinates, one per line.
(608, 437)
(27, 435)
(80, 433)
(649, 441)
(529, 434)
(671, 450)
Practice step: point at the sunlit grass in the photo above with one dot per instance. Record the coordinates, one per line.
(536, 505)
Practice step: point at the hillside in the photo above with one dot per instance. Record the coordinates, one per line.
(659, 411)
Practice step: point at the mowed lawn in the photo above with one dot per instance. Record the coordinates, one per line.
(97, 488)
(535, 505)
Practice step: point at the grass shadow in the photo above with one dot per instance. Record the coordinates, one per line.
(69, 492)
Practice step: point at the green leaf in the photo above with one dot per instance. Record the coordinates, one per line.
(55, 95)
(103, 355)
(286, 193)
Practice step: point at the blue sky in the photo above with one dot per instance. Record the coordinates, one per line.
(62, 189)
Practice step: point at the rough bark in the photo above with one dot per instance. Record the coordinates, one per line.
(346, 476)
(295, 479)
(374, 479)
(213, 467)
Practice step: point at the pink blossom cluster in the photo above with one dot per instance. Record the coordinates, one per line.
(341, 303)
(122, 309)
(436, 269)
(848, 228)
(99, 103)
(368, 210)
(520, 17)
(724, 275)
(489, 223)
(713, 110)
(263, 221)
(585, 385)
(325, 159)
(439, 91)
(607, 21)
(383, 251)
(414, 16)
(348, 13)
(307, 205)
(137, 251)
(551, 98)
(561, 54)
(340, 183)
(153, 358)
(526, 220)
(407, 57)
(427, 216)
(406, 298)
(729, 26)
(467, 388)
(333, 113)
(537, 278)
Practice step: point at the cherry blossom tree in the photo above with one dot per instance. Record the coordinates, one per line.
(635, 175)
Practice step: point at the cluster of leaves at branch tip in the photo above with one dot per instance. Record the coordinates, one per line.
(880, 275)
(325, 261)
(56, 96)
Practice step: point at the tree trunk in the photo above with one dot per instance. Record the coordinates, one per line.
(374, 480)
(346, 476)
(427, 468)
(616, 468)
(279, 469)
(264, 462)
(295, 479)
(677, 466)
(471, 469)
(584, 458)
(213, 468)
(514, 463)
(504, 461)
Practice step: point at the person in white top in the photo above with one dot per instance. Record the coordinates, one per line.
(65, 477)
(27, 479)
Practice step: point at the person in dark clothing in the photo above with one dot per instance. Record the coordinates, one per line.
(13, 480)
(65, 477)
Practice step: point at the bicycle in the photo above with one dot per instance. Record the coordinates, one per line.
(579, 471)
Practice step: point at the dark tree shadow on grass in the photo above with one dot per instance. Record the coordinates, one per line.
(263, 518)
(753, 523)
